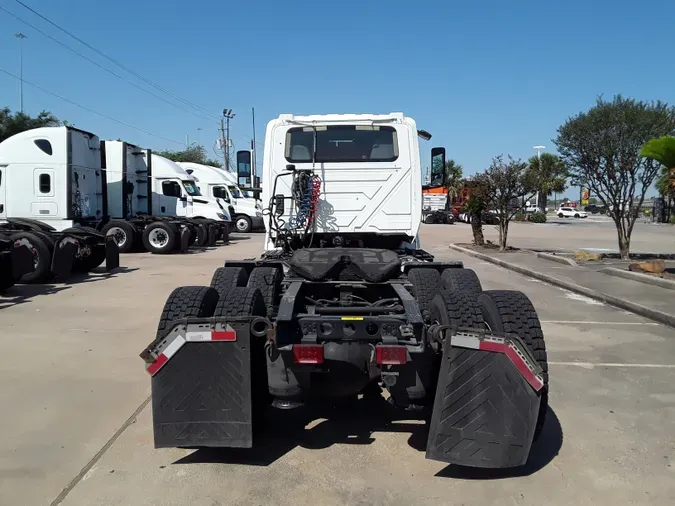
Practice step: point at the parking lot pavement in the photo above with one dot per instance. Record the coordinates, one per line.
(69, 366)
(607, 440)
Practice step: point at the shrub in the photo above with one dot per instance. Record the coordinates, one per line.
(672, 220)
(538, 217)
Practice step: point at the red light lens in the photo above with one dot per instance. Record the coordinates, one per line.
(308, 353)
(391, 355)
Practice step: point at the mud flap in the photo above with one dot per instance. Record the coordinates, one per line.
(112, 254)
(213, 231)
(22, 259)
(184, 239)
(487, 402)
(201, 393)
(64, 255)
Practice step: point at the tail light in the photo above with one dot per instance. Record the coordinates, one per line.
(391, 355)
(308, 353)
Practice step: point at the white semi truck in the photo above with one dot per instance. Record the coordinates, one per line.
(151, 200)
(247, 213)
(344, 304)
(52, 198)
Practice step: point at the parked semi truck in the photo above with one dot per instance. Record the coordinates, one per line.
(151, 201)
(246, 212)
(345, 302)
(51, 199)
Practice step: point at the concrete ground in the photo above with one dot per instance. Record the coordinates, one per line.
(572, 234)
(72, 379)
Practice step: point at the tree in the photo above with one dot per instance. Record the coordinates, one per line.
(602, 148)
(547, 175)
(194, 153)
(663, 151)
(475, 207)
(504, 184)
(453, 177)
(12, 124)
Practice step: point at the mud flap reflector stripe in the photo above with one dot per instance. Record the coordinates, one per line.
(228, 334)
(523, 363)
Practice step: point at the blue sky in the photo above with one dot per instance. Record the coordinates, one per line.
(484, 77)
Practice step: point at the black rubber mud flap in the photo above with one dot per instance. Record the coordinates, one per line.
(22, 259)
(486, 404)
(64, 256)
(112, 254)
(213, 232)
(184, 239)
(201, 397)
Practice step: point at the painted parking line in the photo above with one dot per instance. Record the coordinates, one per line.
(584, 322)
(591, 365)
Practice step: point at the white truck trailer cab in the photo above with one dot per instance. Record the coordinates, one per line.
(369, 173)
(176, 193)
(247, 214)
(52, 198)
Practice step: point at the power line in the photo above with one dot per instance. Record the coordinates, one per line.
(88, 109)
(109, 58)
(101, 66)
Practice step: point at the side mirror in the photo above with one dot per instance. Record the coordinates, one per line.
(220, 193)
(243, 164)
(437, 168)
(171, 189)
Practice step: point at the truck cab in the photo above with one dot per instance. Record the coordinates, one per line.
(367, 167)
(177, 194)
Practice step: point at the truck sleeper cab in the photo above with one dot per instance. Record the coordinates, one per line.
(51, 199)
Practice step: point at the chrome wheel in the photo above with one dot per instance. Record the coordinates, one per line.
(158, 238)
(118, 234)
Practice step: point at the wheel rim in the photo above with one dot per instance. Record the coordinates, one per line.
(242, 224)
(158, 238)
(119, 235)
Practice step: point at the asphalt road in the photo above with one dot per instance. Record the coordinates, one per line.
(73, 378)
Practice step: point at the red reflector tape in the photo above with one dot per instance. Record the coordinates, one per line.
(224, 335)
(517, 360)
(228, 335)
(166, 354)
(391, 355)
(308, 354)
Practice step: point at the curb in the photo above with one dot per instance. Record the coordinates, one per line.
(555, 258)
(652, 314)
(642, 278)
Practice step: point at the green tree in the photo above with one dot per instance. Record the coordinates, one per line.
(602, 148)
(453, 177)
(193, 153)
(663, 151)
(14, 123)
(547, 175)
(503, 184)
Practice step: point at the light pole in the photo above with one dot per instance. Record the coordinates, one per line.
(199, 136)
(228, 115)
(20, 36)
(538, 148)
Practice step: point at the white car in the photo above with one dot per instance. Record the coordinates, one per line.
(570, 212)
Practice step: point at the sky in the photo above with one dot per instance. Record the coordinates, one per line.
(483, 77)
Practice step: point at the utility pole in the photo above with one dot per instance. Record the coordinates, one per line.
(199, 137)
(538, 148)
(253, 160)
(228, 115)
(20, 36)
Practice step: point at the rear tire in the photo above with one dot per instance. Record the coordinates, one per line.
(456, 310)
(42, 257)
(461, 280)
(125, 234)
(187, 302)
(226, 278)
(202, 234)
(160, 237)
(429, 219)
(426, 283)
(512, 312)
(268, 281)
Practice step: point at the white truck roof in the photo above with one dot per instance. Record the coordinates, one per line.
(205, 171)
(163, 167)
